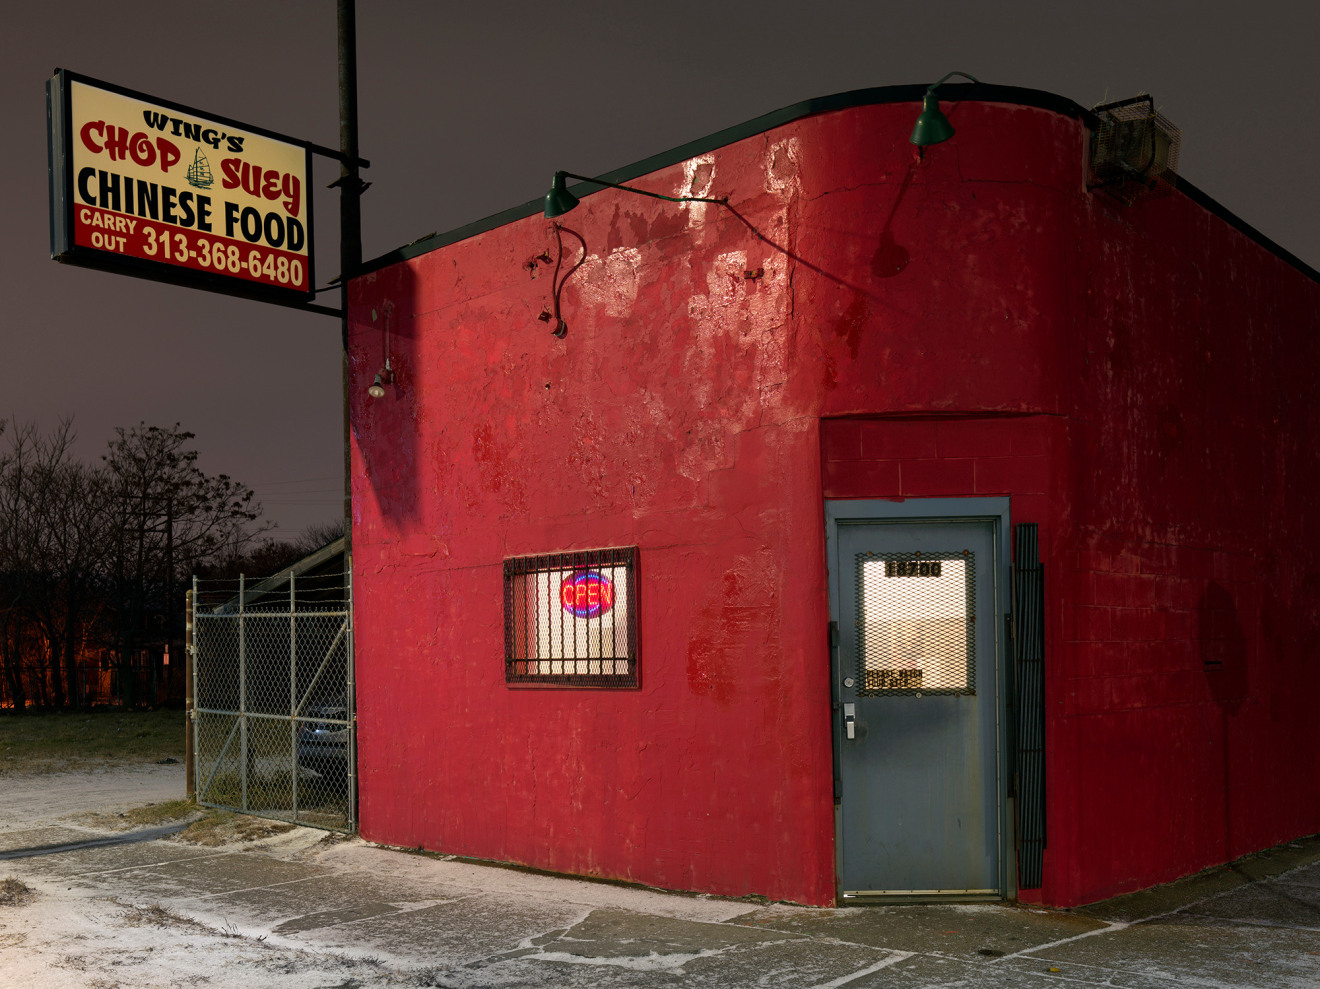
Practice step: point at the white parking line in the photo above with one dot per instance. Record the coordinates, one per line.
(894, 958)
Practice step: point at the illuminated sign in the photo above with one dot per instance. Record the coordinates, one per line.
(587, 594)
(571, 619)
(145, 187)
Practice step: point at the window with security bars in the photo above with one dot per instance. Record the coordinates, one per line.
(571, 619)
(916, 623)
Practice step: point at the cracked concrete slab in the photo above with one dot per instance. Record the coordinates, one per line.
(453, 933)
(970, 931)
(309, 912)
(1182, 950)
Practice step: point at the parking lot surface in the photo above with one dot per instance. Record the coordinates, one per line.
(83, 906)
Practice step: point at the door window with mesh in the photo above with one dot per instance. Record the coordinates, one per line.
(571, 619)
(915, 623)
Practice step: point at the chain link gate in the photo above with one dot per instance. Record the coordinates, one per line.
(273, 716)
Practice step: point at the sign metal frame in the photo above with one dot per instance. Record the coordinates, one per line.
(64, 203)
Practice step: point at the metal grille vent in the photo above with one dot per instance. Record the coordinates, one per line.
(1134, 150)
(1029, 653)
(571, 619)
(916, 620)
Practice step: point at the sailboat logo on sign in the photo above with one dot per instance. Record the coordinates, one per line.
(199, 172)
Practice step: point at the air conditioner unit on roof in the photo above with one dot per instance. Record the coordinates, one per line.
(1134, 150)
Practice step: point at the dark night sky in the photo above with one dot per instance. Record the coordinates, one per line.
(468, 108)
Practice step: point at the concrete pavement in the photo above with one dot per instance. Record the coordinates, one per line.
(306, 909)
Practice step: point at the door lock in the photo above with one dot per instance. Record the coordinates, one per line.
(850, 720)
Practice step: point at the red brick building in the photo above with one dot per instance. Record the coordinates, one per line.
(836, 399)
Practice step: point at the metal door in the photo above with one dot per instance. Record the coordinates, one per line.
(917, 679)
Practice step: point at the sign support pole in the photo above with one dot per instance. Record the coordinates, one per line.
(350, 259)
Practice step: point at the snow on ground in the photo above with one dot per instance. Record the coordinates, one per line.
(71, 939)
(60, 936)
(359, 856)
(61, 932)
(44, 797)
(304, 910)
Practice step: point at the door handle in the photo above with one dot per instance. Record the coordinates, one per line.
(850, 720)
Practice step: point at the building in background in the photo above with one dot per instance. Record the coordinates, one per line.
(733, 586)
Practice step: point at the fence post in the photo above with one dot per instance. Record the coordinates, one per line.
(350, 698)
(242, 690)
(293, 688)
(189, 718)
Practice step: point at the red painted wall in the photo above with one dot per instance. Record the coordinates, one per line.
(971, 323)
(1191, 585)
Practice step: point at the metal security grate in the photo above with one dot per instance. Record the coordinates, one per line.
(571, 619)
(916, 619)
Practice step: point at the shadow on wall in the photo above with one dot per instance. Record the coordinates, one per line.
(385, 427)
(1224, 662)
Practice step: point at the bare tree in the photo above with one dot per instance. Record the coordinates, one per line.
(170, 516)
(78, 513)
(21, 560)
(52, 534)
(14, 561)
(320, 534)
(102, 549)
(269, 556)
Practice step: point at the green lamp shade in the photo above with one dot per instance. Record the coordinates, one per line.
(559, 200)
(932, 127)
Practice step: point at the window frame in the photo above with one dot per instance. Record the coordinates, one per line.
(521, 627)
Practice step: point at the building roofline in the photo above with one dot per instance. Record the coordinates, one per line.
(949, 93)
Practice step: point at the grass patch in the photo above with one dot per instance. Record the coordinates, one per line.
(273, 791)
(161, 813)
(265, 789)
(14, 892)
(168, 810)
(63, 741)
(157, 916)
(222, 827)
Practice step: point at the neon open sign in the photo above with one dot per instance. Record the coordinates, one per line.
(587, 594)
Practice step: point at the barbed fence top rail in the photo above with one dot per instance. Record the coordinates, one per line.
(277, 594)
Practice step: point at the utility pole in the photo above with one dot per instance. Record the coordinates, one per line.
(350, 259)
(350, 231)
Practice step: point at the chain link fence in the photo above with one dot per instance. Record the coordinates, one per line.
(272, 716)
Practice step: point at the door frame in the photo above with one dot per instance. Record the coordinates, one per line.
(916, 510)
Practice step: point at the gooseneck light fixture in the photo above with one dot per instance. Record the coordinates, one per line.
(557, 283)
(384, 376)
(559, 200)
(932, 127)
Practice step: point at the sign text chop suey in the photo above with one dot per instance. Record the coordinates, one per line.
(160, 185)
